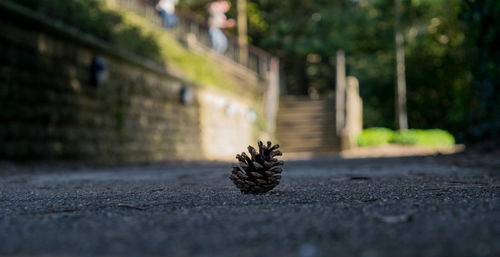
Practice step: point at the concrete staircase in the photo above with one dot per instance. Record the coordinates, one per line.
(305, 125)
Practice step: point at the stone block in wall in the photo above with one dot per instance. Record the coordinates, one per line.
(225, 129)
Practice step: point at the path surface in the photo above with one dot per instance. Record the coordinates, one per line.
(418, 206)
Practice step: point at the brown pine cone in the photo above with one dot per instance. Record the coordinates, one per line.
(258, 173)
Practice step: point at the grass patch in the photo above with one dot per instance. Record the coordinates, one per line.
(418, 137)
(134, 33)
(196, 67)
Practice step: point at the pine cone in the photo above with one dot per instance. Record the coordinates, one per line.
(260, 173)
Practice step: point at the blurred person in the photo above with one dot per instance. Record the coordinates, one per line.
(217, 21)
(166, 8)
(313, 92)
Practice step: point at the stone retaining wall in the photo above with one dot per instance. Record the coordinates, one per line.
(50, 109)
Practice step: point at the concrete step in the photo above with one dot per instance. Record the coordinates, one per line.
(305, 129)
(306, 106)
(305, 125)
(299, 115)
(290, 124)
(288, 136)
(313, 149)
(311, 142)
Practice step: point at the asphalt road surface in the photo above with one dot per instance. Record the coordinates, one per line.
(417, 206)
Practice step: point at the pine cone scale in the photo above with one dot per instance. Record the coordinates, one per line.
(277, 170)
(261, 181)
(257, 165)
(243, 165)
(256, 175)
(241, 175)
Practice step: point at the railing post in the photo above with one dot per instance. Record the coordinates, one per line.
(194, 29)
(263, 70)
(272, 96)
(242, 32)
(340, 92)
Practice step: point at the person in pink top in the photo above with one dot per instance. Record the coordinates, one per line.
(217, 21)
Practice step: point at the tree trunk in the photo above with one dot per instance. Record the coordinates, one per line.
(401, 113)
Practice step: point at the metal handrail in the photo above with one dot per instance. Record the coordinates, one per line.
(259, 61)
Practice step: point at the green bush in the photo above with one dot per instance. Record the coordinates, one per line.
(404, 138)
(419, 137)
(430, 138)
(375, 136)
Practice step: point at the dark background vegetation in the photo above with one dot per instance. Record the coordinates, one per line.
(90, 17)
(452, 64)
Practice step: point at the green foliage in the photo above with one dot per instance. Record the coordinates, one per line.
(437, 76)
(438, 80)
(131, 32)
(426, 138)
(452, 61)
(375, 136)
(482, 41)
